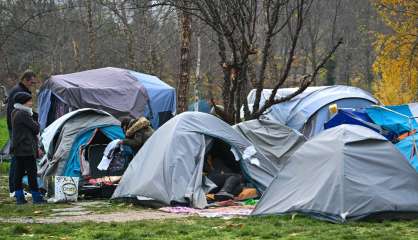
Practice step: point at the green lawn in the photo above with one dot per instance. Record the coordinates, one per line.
(4, 134)
(197, 228)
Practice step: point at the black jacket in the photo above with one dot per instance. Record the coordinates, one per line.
(11, 102)
(24, 134)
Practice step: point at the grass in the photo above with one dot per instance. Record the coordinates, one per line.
(4, 134)
(4, 168)
(198, 228)
(8, 208)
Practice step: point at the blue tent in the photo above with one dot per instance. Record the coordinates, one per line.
(308, 111)
(119, 92)
(398, 119)
(199, 106)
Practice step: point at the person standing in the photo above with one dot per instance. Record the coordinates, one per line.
(25, 147)
(27, 80)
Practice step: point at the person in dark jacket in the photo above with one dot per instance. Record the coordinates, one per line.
(223, 170)
(137, 132)
(27, 80)
(25, 147)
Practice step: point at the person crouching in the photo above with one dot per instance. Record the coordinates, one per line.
(137, 132)
(25, 146)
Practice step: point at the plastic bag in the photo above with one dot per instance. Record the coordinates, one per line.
(66, 189)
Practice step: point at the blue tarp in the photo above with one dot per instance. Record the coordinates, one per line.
(399, 119)
(408, 148)
(199, 106)
(357, 117)
(44, 104)
(395, 119)
(72, 168)
(351, 116)
(162, 97)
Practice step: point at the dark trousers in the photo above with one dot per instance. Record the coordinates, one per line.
(26, 165)
(12, 174)
(228, 182)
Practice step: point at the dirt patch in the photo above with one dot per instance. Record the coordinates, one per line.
(125, 216)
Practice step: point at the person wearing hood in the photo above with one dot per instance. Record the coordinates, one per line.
(137, 132)
(27, 80)
(24, 147)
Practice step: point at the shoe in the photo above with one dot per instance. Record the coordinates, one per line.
(27, 195)
(223, 196)
(20, 197)
(37, 198)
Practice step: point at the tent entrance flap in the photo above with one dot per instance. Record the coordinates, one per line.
(222, 168)
(99, 138)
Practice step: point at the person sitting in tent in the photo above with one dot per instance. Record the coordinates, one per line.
(223, 170)
(137, 132)
(25, 147)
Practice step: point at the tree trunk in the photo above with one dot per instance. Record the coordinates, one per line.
(91, 35)
(131, 49)
(183, 84)
(198, 77)
(76, 55)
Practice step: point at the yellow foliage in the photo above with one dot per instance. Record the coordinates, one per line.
(397, 63)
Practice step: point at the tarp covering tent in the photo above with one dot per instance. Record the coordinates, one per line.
(402, 120)
(64, 139)
(399, 119)
(199, 106)
(356, 117)
(119, 92)
(168, 168)
(274, 140)
(346, 172)
(409, 149)
(308, 111)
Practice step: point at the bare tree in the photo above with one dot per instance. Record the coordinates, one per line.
(186, 36)
(120, 10)
(236, 24)
(91, 33)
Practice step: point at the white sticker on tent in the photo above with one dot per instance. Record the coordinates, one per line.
(236, 155)
(249, 152)
(255, 161)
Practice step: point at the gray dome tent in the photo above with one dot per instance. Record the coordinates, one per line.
(346, 172)
(275, 141)
(67, 136)
(168, 168)
(308, 111)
